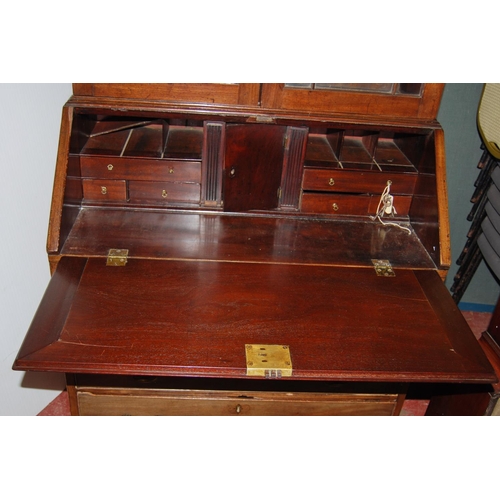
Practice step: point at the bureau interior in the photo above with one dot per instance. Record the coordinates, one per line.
(123, 166)
(383, 151)
(142, 138)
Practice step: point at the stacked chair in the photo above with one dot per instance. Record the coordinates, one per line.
(471, 255)
(489, 128)
(483, 238)
(483, 242)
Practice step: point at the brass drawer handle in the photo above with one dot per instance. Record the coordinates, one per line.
(331, 182)
(110, 167)
(164, 194)
(335, 207)
(104, 190)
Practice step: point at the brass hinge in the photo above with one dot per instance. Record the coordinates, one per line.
(117, 257)
(270, 361)
(383, 268)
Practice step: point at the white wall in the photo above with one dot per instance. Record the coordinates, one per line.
(30, 117)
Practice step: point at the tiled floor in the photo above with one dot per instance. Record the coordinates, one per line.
(477, 321)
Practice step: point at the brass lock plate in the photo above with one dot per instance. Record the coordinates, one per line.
(268, 360)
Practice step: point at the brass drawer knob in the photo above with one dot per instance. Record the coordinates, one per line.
(110, 167)
(335, 207)
(331, 182)
(164, 194)
(104, 190)
(238, 409)
(171, 171)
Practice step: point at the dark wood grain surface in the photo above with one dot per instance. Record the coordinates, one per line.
(156, 234)
(170, 235)
(194, 319)
(253, 166)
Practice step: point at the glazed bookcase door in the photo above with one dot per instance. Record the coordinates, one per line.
(401, 100)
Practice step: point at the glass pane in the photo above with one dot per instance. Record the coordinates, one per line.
(385, 88)
(299, 85)
(413, 89)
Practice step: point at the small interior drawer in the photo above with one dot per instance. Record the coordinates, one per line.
(345, 204)
(164, 192)
(347, 181)
(104, 190)
(336, 204)
(140, 169)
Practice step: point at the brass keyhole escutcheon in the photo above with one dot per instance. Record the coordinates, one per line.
(164, 194)
(331, 182)
(110, 167)
(335, 207)
(238, 408)
(104, 190)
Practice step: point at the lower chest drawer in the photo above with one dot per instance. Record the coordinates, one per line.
(102, 402)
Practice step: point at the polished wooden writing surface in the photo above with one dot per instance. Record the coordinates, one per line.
(194, 318)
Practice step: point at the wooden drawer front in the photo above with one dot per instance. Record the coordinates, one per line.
(344, 204)
(104, 190)
(164, 192)
(140, 169)
(340, 204)
(101, 402)
(348, 181)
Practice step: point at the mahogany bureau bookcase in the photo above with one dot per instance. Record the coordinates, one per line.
(250, 249)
